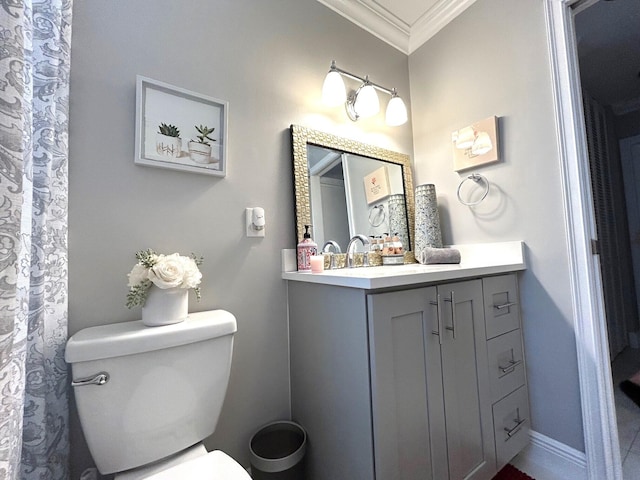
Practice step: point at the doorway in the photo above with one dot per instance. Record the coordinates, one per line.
(602, 448)
(608, 42)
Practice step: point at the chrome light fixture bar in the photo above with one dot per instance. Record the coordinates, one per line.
(364, 101)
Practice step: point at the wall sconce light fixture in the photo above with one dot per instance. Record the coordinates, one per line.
(364, 101)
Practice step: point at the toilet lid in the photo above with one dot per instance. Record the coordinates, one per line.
(215, 465)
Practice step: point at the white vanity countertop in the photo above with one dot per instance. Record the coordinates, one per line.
(476, 260)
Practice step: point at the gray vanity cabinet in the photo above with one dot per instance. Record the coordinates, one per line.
(395, 385)
(430, 386)
(330, 386)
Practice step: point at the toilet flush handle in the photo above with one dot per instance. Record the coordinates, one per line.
(98, 379)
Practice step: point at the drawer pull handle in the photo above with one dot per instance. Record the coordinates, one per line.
(505, 305)
(512, 431)
(511, 367)
(452, 328)
(439, 317)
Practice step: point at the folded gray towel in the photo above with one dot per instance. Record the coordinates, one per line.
(430, 255)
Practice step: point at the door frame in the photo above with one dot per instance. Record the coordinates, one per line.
(596, 391)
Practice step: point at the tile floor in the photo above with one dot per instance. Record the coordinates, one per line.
(628, 413)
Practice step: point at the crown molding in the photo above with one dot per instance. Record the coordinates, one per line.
(383, 24)
(372, 21)
(434, 20)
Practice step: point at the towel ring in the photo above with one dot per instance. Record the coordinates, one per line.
(477, 178)
(379, 216)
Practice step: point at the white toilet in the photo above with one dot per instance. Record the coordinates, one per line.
(148, 396)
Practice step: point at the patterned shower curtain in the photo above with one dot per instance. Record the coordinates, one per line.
(35, 38)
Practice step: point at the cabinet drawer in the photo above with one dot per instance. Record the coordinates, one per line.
(511, 425)
(506, 364)
(501, 309)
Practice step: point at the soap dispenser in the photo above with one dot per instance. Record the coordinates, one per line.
(306, 248)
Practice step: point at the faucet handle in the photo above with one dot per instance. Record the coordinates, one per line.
(327, 249)
(332, 260)
(365, 258)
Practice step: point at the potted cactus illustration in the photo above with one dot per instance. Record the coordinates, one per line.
(200, 149)
(168, 141)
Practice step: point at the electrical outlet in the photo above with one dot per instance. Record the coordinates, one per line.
(251, 229)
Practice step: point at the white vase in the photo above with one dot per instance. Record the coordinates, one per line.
(165, 306)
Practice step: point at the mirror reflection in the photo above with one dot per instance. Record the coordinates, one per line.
(344, 188)
(352, 194)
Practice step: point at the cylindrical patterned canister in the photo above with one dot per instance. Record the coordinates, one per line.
(428, 232)
(398, 218)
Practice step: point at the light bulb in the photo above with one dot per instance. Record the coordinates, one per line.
(333, 90)
(367, 103)
(482, 144)
(396, 112)
(466, 137)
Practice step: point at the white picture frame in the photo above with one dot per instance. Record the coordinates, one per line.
(181, 111)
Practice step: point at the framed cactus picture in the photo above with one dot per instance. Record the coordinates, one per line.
(180, 129)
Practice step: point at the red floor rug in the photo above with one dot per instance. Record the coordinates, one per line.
(509, 472)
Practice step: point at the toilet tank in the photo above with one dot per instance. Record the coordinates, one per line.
(165, 386)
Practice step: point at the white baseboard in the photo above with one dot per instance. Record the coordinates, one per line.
(547, 459)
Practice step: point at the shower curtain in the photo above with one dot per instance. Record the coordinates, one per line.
(35, 45)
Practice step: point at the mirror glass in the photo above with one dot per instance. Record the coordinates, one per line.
(344, 188)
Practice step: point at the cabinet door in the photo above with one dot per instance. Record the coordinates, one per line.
(401, 324)
(467, 402)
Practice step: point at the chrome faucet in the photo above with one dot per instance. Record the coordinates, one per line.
(351, 251)
(327, 249)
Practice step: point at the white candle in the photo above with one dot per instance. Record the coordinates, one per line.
(317, 263)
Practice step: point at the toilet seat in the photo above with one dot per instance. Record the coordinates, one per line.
(215, 465)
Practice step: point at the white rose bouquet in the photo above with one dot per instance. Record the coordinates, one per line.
(163, 271)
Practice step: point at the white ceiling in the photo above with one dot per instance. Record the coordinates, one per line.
(404, 24)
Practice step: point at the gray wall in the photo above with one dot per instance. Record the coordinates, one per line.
(493, 60)
(268, 59)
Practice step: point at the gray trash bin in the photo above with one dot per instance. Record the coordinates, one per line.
(277, 452)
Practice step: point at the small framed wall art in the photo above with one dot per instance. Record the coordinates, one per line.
(180, 129)
(476, 144)
(376, 185)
